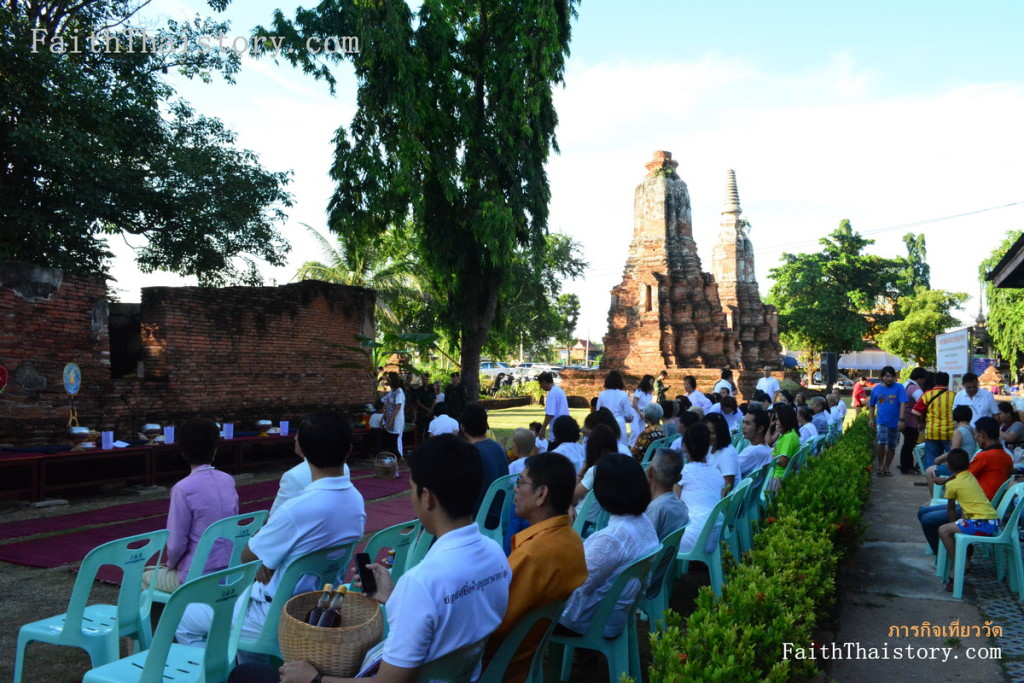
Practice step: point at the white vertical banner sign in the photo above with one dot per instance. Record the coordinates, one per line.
(952, 352)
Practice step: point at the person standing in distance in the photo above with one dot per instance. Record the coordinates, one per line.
(556, 403)
(768, 384)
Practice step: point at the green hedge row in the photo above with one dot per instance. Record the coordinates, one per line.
(784, 586)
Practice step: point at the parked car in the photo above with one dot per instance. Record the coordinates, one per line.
(491, 369)
(843, 382)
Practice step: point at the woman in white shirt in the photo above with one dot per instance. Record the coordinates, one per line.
(700, 487)
(621, 488)
(642, 395)
(567, 435)
(615, 399)
(723, 455)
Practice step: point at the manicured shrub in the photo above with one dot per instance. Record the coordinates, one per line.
(785, 584)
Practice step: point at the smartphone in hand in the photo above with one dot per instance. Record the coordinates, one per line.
(365, 574)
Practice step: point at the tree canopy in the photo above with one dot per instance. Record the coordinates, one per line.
(1005, 308)
(834, 299)
(454, 125)
(387, 268)
(94, 142)
(923, 315)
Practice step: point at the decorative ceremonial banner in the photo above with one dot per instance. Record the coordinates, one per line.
(3, 379)
(951, 350)
(72, 378)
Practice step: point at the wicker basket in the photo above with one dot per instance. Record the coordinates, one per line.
(385, 465)
(333, 651)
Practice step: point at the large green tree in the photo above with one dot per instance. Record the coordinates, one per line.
(93, 142)
(454, 125)
(923, 315)
(833, 299)
(1005, 308)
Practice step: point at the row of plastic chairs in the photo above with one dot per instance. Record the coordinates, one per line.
(97, 629)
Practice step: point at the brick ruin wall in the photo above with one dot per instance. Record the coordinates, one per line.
(238, 353)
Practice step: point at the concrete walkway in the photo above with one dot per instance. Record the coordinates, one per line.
(891, 582)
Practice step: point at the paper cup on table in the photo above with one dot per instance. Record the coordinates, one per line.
(106, 440)
(168, 435)
(229, 430)
(284, 428)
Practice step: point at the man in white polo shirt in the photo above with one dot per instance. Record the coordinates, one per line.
(697, 399)
(443, 423)
(556, 403)
(768, 384)
(329, 512)
(457, 595)
(979, 400)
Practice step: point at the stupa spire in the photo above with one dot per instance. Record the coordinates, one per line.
(732, 194)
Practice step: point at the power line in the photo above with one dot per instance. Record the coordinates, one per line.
(902, 226)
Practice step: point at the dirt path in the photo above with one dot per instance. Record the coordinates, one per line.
(892, 582)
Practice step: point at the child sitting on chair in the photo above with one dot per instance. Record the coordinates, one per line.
(979, 517)
(203, 497)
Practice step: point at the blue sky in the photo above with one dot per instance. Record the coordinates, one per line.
(883, 113)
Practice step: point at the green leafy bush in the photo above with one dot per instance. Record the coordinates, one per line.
(785, 584)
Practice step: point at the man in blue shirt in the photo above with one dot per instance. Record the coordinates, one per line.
(492, 456)
(890, 398)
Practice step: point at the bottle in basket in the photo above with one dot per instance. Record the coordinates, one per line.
(331, 618)
(313, 616)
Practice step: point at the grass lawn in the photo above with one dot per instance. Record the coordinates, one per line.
(504, 422)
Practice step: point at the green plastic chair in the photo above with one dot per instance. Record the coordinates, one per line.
(419, 547)
(654, 601)
(623, 651)
(328, 565)
(504, 486)
(737, 437)
(713, 560)
(655, 445)
(231, 528)
(1001, 502)
(751, 510)
(495, 671)
(97, 629)
(1006, 542)
(399, 538)
(457, 666)
(170, 662)
(584, 525)
(734, 518)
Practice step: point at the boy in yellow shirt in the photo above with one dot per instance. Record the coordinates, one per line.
(979, 517)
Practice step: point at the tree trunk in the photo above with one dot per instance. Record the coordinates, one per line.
(474, 335)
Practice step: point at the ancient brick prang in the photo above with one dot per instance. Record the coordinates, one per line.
(667, 312)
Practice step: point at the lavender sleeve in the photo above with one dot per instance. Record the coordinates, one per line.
(179, 523)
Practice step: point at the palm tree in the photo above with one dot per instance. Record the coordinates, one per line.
(388, 269)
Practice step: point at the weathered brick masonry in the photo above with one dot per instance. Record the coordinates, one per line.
(238, 353)
(669, 314)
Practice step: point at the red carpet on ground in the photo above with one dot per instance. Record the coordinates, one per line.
(71, 548)
(370, 487)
